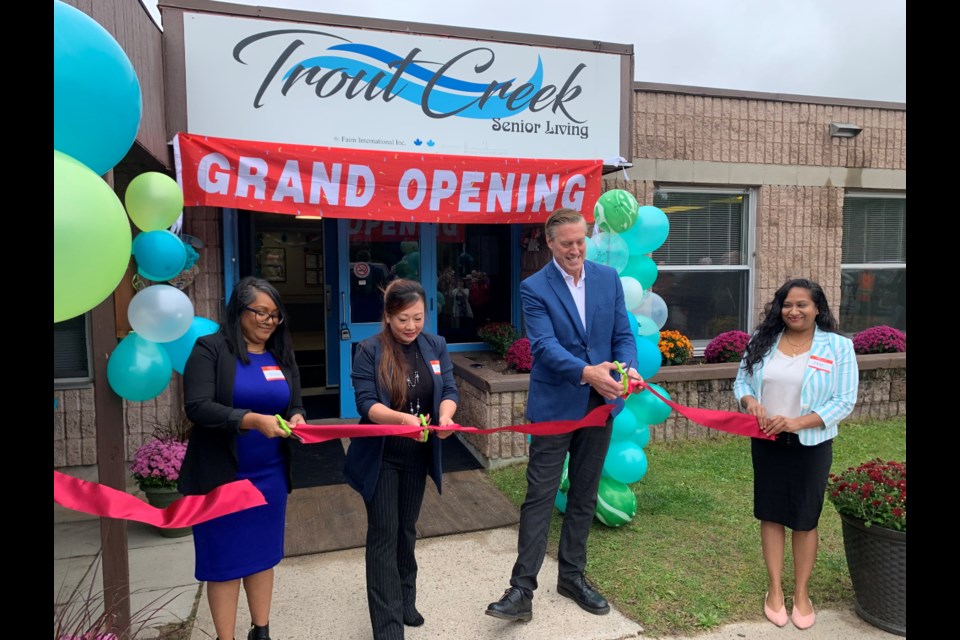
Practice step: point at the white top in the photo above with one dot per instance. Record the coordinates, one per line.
(578, 291)
(782, 382)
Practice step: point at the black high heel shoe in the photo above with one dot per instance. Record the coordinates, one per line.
(259, 633)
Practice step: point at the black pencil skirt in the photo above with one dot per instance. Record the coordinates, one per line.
(789, 480)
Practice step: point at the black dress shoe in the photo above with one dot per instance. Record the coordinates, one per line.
(581, 592)
(412, 617)
(513, 605)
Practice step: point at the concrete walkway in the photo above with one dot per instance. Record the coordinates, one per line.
(322, 596)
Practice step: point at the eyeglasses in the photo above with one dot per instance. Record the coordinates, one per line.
(263, 317)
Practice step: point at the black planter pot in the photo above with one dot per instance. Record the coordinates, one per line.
(877, 559)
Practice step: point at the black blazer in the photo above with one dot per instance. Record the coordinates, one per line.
(208, 378)
(364, 456)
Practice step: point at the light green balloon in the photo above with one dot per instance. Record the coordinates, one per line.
(91, 238)
(643, 268)
(154, 201)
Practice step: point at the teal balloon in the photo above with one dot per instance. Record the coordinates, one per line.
(647, 407)
(624, 425)
(413, 259)
(642, 268)
(616, 503)
(646, 326)
(608, 249)
(561, 502)
(649, 360)
(651, 228)
(641, 436)
(625, 461)
(634, 325)
(179, 350)
(138, 369)
(91, 238)
(97, 103)
(160, 255)
(440, 300)
(615, 211)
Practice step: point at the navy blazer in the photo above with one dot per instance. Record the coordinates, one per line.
(208, 377)
(560, 345)
(364, 455)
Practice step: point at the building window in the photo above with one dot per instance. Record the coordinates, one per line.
(71, 358)
(473, 279)
(874, 263)
(703, 268)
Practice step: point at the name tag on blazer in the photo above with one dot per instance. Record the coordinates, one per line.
(820, 364)
(435, 365)
(272, 374)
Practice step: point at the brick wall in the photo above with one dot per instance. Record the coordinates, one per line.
(490, 400)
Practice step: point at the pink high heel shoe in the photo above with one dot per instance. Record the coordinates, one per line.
(801, 621)
(778, 618)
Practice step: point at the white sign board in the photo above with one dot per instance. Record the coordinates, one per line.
(303, 83)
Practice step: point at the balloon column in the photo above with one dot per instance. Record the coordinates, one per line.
(96, 116)
(624, 236)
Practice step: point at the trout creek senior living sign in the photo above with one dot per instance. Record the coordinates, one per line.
(376, 89)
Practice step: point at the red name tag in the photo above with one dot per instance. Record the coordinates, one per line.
(820, 364)
(272, 373)
(435, 365)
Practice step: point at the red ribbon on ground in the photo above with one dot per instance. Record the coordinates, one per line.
(741, 424)
(107, 502)
(316, 433)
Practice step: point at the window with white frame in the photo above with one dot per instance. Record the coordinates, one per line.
(703, 268)
(71, 356)
(874, 262)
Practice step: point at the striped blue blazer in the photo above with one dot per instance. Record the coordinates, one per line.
(829, 386)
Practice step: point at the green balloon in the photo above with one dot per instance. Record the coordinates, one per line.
(91, 238)
(565, 476)
(615, 211)
(616, 502)
(154, 201)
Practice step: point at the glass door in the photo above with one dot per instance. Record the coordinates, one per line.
(372, 253)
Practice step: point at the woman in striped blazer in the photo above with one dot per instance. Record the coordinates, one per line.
(799, 377)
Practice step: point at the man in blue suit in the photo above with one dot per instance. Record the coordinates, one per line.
(577, 324)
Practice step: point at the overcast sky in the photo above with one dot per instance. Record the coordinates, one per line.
(826, 48)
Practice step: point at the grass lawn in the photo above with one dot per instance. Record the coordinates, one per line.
(690, 559)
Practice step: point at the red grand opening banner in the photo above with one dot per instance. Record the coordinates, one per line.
(351, 183)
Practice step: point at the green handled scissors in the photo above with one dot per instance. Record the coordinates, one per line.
(423, 423)
(289, 431)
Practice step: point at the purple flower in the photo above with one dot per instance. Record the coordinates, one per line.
(519, 356)
(727, 347)
(157, 463)
(880, 339)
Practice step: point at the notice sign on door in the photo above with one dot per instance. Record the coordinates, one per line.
(351, 183)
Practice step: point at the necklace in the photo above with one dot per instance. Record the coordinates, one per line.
(801, 347)
(412, 384)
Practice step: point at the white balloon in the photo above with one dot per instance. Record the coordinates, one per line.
(652, 306)
(160, 313)
(632, 291)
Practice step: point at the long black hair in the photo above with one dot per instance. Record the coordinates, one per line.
(279, 343)
(393, 373)
(772, 324)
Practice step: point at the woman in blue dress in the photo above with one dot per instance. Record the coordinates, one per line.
(235, 383)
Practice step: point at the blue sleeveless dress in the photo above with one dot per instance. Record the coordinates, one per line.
(241, 544)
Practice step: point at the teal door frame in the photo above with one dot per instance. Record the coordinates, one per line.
(358, 331)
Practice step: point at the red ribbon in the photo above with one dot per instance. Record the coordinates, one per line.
(741, 424)
(315, 433)
(107, 502)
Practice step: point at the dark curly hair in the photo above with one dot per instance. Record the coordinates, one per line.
(772, 324)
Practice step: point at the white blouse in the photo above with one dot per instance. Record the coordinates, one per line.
(782, 382)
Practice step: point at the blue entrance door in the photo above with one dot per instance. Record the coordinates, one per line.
(371, 254)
